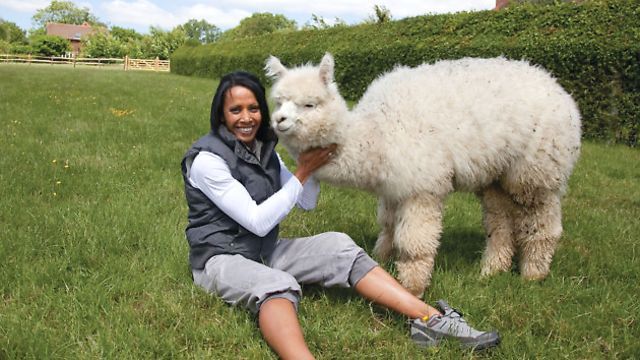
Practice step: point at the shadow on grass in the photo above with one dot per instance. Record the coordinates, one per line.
(461, 246)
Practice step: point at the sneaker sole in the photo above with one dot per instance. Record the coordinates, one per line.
(484, 345)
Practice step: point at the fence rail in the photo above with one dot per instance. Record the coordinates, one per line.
(126, 63)
(146, 64)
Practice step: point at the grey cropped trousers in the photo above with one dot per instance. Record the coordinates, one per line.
(328, 259)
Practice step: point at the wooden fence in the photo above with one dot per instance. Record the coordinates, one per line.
(146, 64)
(126, 63)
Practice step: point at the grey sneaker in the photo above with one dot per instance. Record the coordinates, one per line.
(451, 325)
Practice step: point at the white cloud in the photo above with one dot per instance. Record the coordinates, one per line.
(214, 15)
(138, 12)
(24, 5)
(146, 13)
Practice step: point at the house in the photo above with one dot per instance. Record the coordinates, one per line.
(73, 33)
(501, 3)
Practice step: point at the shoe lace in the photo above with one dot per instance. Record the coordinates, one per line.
(457, 324)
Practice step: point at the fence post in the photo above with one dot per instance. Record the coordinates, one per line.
(156, 64)
(126, 62)
(29, 59)
(75, 57)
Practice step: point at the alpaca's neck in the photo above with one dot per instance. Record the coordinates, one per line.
(358, 161)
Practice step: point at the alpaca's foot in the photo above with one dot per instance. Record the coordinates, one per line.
(383, 248)
(534, 271)
(415, 275)
(537, 254)
(492, 265)
(540, 228)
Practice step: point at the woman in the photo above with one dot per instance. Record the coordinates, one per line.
(238, 190)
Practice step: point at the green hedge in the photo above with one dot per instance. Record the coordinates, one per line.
(593, 48)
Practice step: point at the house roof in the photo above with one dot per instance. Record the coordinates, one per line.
(68, 31)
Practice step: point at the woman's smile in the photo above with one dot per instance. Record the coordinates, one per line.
(242, 115)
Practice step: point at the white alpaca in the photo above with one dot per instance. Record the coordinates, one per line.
(502, 129)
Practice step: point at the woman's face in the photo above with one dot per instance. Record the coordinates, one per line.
(242, 113)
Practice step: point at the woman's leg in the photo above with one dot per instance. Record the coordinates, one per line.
(325, 259)
(271, 293)
(380, 287)
(279, 325)
(332, 259)
(426, 329)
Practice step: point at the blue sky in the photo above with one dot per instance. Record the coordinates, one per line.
(141, 14)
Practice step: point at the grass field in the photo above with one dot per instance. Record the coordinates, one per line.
(93, 260)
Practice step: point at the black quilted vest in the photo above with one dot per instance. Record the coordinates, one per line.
(210, 231)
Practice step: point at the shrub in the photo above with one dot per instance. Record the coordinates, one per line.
(49, 45)
(5, 47)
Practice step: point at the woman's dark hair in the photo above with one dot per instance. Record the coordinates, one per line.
(246, 80)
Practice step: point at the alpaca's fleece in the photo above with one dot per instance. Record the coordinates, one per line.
(503, 129)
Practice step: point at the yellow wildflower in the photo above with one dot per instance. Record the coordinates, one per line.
(121, 112)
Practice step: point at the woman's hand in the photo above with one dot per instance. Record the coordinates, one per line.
(311, 160)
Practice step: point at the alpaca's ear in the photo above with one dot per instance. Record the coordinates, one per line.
(326, 69)
(274, 68)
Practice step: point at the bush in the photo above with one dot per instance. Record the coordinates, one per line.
(17, 48)
(102, 44)
(5, 47)
(49, 45)
(593, 48)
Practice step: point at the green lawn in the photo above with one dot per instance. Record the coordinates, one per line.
(94, 261)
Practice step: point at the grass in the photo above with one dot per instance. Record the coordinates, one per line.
(94, 261)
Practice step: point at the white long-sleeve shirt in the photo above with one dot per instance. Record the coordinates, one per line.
(210, 174)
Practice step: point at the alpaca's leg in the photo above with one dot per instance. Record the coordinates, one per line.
(416, 240)
(498, 209)
(386, 219)
(539, 228)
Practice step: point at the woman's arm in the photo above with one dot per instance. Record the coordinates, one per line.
(310, 190)
(212, 176)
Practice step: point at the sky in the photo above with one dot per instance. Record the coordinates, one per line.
(225, 14)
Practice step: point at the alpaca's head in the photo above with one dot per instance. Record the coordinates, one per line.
(308, 106)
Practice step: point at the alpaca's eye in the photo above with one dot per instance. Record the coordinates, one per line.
(310, 106)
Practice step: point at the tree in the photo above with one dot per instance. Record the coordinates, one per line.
(5, 47)
(383, 15)
(259, 24)
(160, 43)
(65, 12)
(201, 31)
(317, 22)
(380, 15)
(50, 45)
(12, 32)
(125, 35)
(102, 44)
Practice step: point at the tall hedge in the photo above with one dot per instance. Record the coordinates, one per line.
(593, 48)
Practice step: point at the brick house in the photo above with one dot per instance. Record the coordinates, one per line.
(73, 33)
(501, 3)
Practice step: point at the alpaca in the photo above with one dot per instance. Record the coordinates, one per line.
(502, 129)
